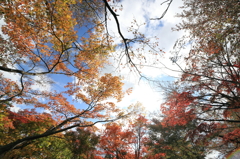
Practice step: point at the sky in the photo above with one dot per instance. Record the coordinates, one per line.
(142, 11)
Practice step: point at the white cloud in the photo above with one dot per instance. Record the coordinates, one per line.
(15, 108)
(142, 11)
(2, 22)
(42, 82)
(143, 93)
(100, 126)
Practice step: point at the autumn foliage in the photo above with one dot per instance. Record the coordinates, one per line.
(40, 45)
(53, 90)
(125, 142)
(208, 91)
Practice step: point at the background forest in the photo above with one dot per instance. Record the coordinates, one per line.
(65, 67)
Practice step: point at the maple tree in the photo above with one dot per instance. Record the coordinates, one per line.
(40, 46)
(125, 139)
(209, 88)
(73, 144)
(115, 141)
(210, 22)
(46, 44)
(17, 125)
(50, 147)
(139, 128)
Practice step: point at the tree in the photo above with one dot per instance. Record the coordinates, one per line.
(139, 128)
(44, 41)
(21, 124)
(126, 139)
(172, 141)
(210, 21)
(209, 88)
(115, 142)
(41, 46)
(81, 143)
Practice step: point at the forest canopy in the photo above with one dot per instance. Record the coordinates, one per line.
(63, 71)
